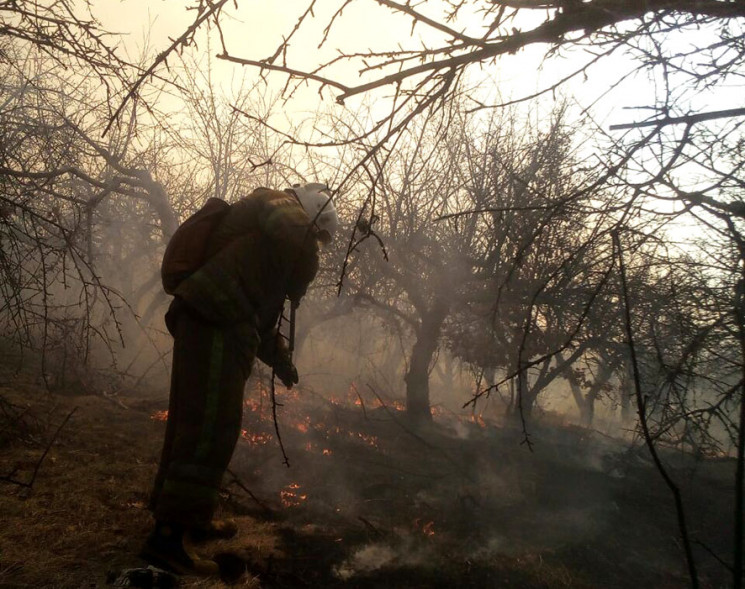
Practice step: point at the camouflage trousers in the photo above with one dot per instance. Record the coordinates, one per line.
(208, 375)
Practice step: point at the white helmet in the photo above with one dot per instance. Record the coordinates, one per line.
(316, 200)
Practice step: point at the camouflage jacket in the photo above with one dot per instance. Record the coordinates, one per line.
(263, 250)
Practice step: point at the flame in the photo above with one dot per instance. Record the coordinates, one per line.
(291, 496)
(335, 430)
(397, 405)
(369, 440)
(437, 411)
(327, 452)
(160, 415)
(477, 419)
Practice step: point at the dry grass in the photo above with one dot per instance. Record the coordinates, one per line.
(382, 505)
(86, 513)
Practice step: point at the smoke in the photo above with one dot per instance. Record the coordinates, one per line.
(367, 559)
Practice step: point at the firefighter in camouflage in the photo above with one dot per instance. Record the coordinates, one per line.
(223, 316)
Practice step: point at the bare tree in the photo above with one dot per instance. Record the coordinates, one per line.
(59, 179)
(67, 32)
(409, 268)
(541, 265)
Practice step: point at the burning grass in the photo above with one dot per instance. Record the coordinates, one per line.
(461, 502)
(369, 500)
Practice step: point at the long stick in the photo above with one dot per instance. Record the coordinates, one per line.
(641, 408)
(273, 396)
(291, 344)
(236, 480)
(737, 567)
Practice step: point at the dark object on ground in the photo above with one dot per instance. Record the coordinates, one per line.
(216, 530)
(232, 567)
(165, 548)
(146, 578)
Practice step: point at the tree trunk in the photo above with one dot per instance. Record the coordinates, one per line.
(586, 403)
(417, 377)
(627, 395)
(585, 412)
(527, 395)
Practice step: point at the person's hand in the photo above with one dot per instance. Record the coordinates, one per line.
(286, 372)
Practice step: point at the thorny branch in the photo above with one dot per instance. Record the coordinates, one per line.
(564, 21)
(687, 119)
(206, 9)
(57, 29)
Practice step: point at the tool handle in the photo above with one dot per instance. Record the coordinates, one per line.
(291, 344)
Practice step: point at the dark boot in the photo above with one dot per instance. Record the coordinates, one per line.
(165, 548)
(219, 529)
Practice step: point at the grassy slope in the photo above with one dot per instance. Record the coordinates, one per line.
(452, 505)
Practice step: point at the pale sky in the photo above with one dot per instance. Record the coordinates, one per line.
(255, 29)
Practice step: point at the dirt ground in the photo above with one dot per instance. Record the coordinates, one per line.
(367, 501)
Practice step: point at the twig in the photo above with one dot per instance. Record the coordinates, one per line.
(398, 422)
(237, 481)
(113, 397)
(185, 39)
(371, 527)
(273, 395)
(362, 401)
(265, 65)
(415, 435)
(714, 555)
(30, 484)
(641, 408)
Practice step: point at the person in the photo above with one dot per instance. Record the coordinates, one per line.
(223, 316)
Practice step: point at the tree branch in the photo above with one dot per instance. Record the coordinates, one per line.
(687, 119)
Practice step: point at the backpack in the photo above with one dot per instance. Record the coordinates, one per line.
(187, 249)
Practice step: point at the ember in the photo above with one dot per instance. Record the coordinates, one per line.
(303, 426)
(369, 440)
(428, 529)
(160, 415)
(257, 439)
(290, 496)
(252, 405)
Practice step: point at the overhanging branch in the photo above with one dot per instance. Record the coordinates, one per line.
(687, 119)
